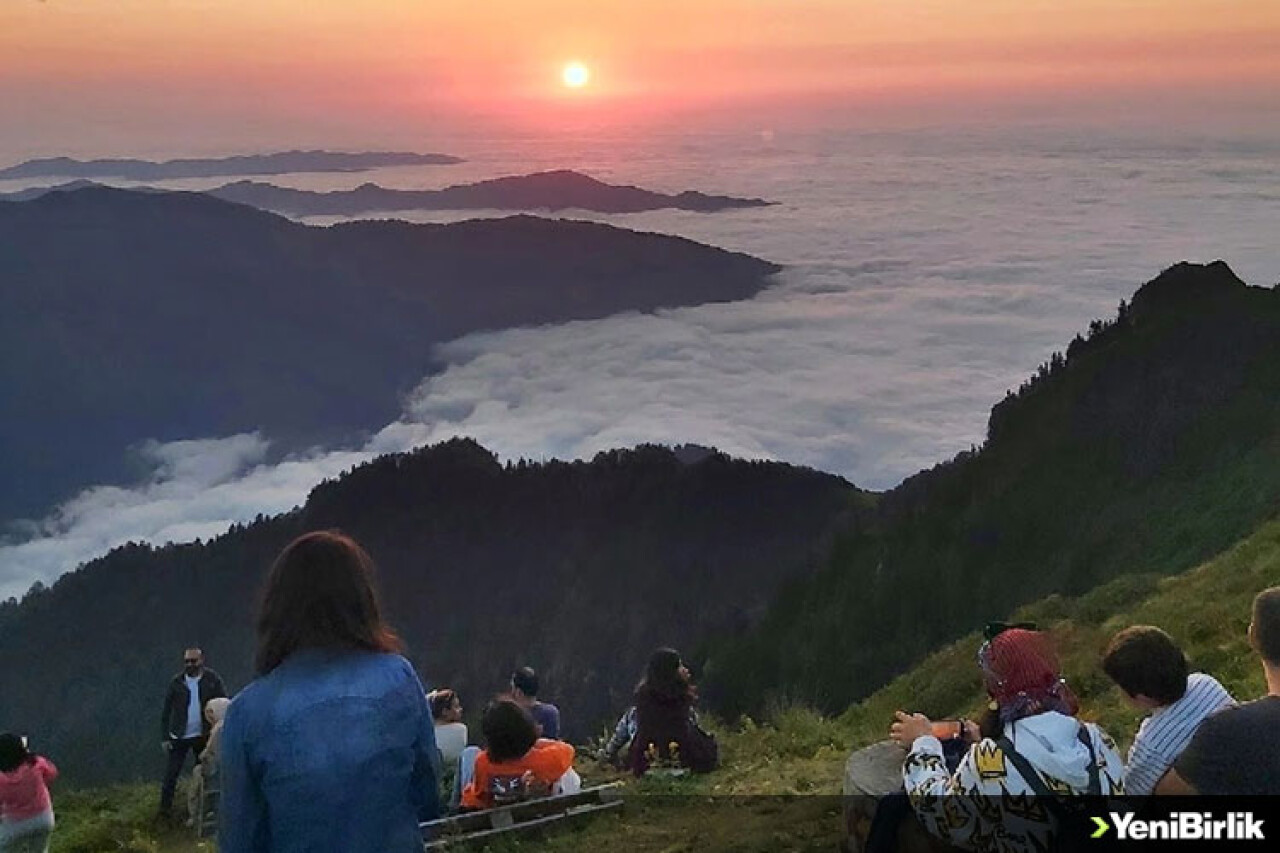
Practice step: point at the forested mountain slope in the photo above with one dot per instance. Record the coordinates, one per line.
(578, 569)
(132, 316)
(1153, 444)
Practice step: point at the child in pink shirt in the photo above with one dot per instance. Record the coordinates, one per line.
(26, 813)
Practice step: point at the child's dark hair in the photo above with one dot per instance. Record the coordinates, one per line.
(13, 753)
(509, 731)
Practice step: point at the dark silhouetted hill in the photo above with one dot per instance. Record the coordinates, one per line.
(554, 191)
(578, 569)
(278, 163)
(1149, 446)
(32, 193)
(128, 316)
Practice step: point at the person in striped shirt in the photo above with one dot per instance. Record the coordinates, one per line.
(1152, 673)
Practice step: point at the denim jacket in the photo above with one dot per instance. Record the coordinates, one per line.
(330, 751)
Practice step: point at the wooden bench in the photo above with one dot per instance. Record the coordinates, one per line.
(206, 821)
(462, 829)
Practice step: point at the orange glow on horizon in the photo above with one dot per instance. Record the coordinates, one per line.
(331, 61)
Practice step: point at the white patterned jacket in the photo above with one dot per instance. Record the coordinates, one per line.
(987, 805)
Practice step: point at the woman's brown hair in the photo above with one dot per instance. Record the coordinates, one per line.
(666, 676)
(320, 594)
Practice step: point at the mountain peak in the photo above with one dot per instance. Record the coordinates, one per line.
(1186, 284)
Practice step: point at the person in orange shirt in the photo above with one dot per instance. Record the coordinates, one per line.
(515, 764)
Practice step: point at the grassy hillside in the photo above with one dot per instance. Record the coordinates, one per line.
(762, 798)
(1205, 609)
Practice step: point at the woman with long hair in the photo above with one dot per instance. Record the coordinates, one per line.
(26, 812)
(332, 747)
(1013, 788)
(667, 727)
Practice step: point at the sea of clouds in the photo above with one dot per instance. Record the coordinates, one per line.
(926, 273)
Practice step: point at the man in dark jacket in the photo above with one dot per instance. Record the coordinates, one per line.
(183, 721)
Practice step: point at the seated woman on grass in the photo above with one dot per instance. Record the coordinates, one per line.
(666, 723)
(515, 764)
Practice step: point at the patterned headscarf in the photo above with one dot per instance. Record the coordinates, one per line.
(1023, 676)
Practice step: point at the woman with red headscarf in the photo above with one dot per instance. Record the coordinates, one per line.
(1010, 792)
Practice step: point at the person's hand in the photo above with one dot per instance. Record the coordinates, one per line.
(908, 728)
(533, 786)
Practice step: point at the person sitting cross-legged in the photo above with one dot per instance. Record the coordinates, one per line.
(666, 722)
(515, 764)
(1151, 671)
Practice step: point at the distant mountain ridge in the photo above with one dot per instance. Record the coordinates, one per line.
(276, 163)
(551, 191)
(579, 569)
(1149, 446)
(131, 315)
(556, 190)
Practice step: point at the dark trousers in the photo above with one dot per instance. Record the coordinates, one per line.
(177, 760)
(891, 811)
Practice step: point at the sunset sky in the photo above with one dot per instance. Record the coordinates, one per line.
(151, 65)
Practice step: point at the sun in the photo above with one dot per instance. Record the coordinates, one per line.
(575, 75)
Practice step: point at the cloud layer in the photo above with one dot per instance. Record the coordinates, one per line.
(927, 274)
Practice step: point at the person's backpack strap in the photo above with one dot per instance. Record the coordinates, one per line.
(1095, 783)
(1070, 821)
(1036, 782)
(1032, 776)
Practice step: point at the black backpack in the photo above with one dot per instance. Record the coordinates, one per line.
(1072, 821)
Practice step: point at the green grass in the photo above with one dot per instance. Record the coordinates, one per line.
(1206, 609)
(119, 819)
(796, 751)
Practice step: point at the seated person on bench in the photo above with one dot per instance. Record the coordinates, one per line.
(451, 740)
(515, 764)
(451, 732)
(205, 776)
